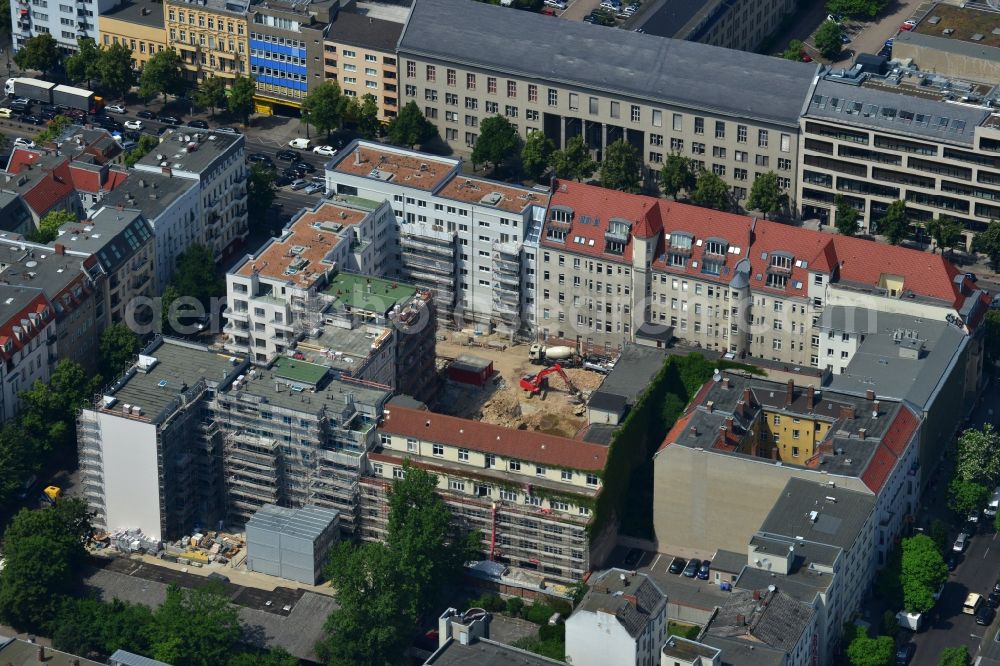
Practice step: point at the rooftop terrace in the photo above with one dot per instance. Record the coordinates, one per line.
(964, 23)
(369, 294)
(188, 149)
(491, 194)
(370, 160)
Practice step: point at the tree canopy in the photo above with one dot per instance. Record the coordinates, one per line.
(923, 571)
(260, 193)
(114, 68)
(827, 39)
(81, 67)
(161, 74)
(145, 144)
(323, 107)
(863, 650)
(367, 119)
(863, 9)
(410, 128)
(48, 410)
(977, 458)
(992, 324)
(498, 141)
(766, 194)
(895, 224)
(196, 627)
(574, 161)
(954, 656)
(946, 232)
(240, 102)
(846, 216)
(622, 167)
(794, 50)
(211, 94)
(964, 497)
(536, 154)
(119, 345)
(40, 53)
(711, 192)
(677, 175)
(988, 242)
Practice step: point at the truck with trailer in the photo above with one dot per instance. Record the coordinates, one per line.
(51, 93)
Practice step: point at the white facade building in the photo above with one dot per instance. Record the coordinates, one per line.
(65, 22)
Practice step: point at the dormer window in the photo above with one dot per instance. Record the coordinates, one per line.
(681, 242)
(560, 222)
(716, 246)
(561, 215)
(780, 263)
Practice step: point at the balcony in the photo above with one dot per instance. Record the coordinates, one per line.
(514, 280)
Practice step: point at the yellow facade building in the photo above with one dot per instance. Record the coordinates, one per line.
(138, 25)
(211, 37)
(360, 55)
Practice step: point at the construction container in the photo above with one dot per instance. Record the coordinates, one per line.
(468, 369)
(291, 543)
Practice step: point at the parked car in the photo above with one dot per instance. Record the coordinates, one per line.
(32, 120)
(905, 653)
(993, 599)
(20, 142)
(300, 184)
(996, 586)
(145, 115)
(844, 39)
(905, 27)
(558, 4)
(951, 561)
(299, 143)
(48, 113)
(985, 615)
(677, 566)
(283, 180)
(198, 124)
(227, 130)
(327, 151)
(836, 18)
(287, 155)
(691, 570)
(304, 167)
(960, 543)
(704, 569)
(973, 516)
(260, 158)
(313, 188)
(972, 277)
(133, 124)
(114, 108)
(170, 120)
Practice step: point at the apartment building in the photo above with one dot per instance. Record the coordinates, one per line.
(954, 41)
(65, 22)
(210, 36)
(190, 436)
(529, 494)
(739, 24)
(875, 139)
(469, 240)
(286, 49)
(138, 25)
(621, 620)
(216, 162)
(726, 460)
(360, 55)
(44, 182)
(735, 113)
(27, 336)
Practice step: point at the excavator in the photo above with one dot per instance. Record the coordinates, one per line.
(538, 382)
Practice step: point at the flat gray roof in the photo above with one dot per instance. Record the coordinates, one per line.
(877, 364)
(364, 31)
(840, 514)
(144, 12)
(332, 392)
(633, 370)
(742, 652)
(148, 192)
(877, 108)
(111, 235)
(644, 67)
(307, 522)
(729, 561)
(674, 18)
(949, 45)
(176, 145)
(486, 653)
(180, 365)
(49, 271)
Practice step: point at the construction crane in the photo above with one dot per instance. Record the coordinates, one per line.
(537, 382)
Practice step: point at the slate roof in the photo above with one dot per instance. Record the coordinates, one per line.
(364, 32)
(632, 600)
(644, 67)
(838, 521)
(779, 623)
(526, 445)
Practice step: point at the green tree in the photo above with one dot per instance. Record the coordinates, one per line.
(119, 345)
(866, 651)
(211, 94)
(923, 571)
(145, 144)
(574, 161)
(367, 121)
(43, 553)
(964, 497)
(992, 342)
(53, 130)
(21, 455)
(240, 101)
(711, 192)
(677, 175)
(888, 586)
(536, 154)
(48, 410)
(260, 193)
(794, 50)
(846, 219)
(977, 458)
(622, 167)
(410, 128)
(196, 275)
(865, 9)
(766, 194)
(324, 107)
(498, 141)
(5, 26)
(946, 232)
(954, 656)
(92, 628)
(114, 67)
(161, 74)
(48, 226)
(275, 657)
(40, 53)
(895, 224)
(81, 67)
(938, 532)
(827, 40)
(988, 242)
(197, 627)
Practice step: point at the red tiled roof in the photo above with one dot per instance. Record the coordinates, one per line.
(900, 431)
(805, 245)
(676, 430)
(526, 445)
(51, 190)
(20, 159)
(39, 305)
(879, 468)
(600, 205)
(89, 180)
(703, 223)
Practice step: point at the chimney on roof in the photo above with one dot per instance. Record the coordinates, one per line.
(726, 383)
(875, 407)
(694, 430)
(357, 155)
(60, 248)
(847, 412)
(756, 595)
(811, 395)
(746, 397)
(790, 392)
(41, 654)
(710, 406)
(869, 394)
(862, 432)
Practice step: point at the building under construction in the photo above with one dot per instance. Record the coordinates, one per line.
(190, 437)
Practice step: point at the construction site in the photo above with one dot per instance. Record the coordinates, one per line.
(559, 409)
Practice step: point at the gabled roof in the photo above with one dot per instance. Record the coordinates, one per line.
(703, 224)
(53, 188)
(20, 159)
(24, 313)
(526, 445)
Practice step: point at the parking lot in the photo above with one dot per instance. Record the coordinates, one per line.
(864, 36)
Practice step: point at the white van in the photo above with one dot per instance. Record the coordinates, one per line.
(994, 505)
(299, 143)
(972, 603)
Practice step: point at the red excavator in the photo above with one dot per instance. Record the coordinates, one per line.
(538, 382)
